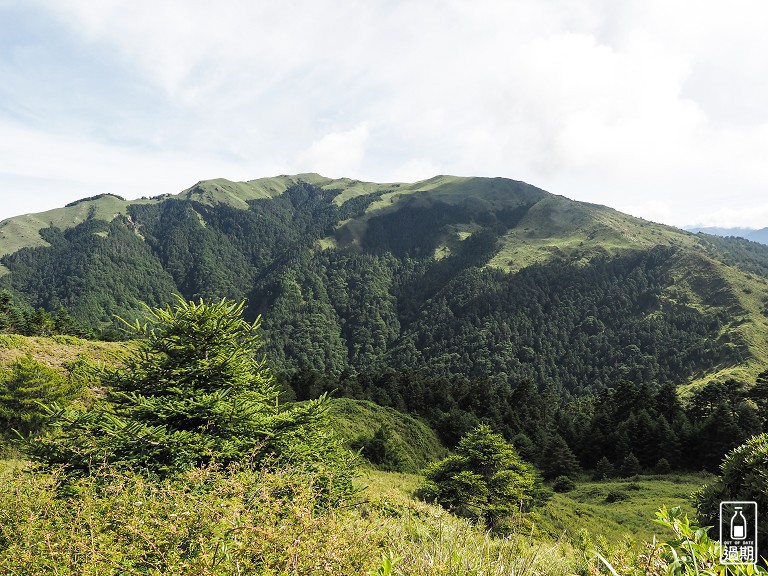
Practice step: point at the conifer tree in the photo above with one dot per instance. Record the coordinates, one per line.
(63, 323)
(194, 392)
(485, 480)
(11, 315)
(27, 384)
(557, 459)
(630, 466)
(744, 477)
(603, 469)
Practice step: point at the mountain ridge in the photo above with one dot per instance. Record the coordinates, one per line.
(361, 263)
(755, 235)
(22, 231)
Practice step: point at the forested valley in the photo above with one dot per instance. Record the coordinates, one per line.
(577, 359)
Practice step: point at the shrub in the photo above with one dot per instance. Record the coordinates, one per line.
(563, 484)
(689, 553)
(27, 384)
(616, 496)
(381, 450)
(485, 480)
(744, 478)
(193, 393)
(206, 522)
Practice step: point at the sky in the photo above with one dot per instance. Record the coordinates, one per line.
(656, 108)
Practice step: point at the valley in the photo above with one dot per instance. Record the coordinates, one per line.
(409, 314)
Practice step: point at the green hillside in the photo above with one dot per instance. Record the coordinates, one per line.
(414, 443)
(104, 256)
(56, 351)
(616, 509)
(457, 300)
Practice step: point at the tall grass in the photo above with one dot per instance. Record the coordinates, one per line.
(208, 522)
(423, 539)
(239, 522)
(450, 546)
(236, 521)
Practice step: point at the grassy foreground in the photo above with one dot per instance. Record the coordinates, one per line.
(216, 522)
(213, 522)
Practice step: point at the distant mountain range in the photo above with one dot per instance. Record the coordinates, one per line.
(451, 276)
(760, 235)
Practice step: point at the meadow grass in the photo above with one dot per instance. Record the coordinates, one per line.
(422, 539)
(56, 351)
(238, 521)
(618, 510)
(206, 522)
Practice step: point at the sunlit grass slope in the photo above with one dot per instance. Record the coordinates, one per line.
(56, 351)
(416, 443)
(616, 509)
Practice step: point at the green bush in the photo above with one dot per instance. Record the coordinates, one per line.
(25, 386)
(194, 392)
(485, 480)
(381, 450)
(689, 553)
(616, 496)
(744, 478)
(563, 484)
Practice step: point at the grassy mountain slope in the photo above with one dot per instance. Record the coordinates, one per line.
(416, 443)
(560, 228)
(24, 231)
(238, 194)
(359, 275)
(56, 351)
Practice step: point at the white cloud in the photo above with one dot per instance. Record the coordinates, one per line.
(39, 166)
(734, 217)
(337, 154)
(416, 170)
(645, 104)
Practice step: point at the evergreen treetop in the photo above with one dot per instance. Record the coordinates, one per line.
(485, 480)
(193, 392)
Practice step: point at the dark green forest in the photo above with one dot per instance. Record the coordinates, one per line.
(574, 362)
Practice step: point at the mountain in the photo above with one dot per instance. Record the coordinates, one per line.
(760, 236)
(451, 277)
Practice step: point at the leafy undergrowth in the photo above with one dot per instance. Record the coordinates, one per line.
(213, 522)
(688, 552)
